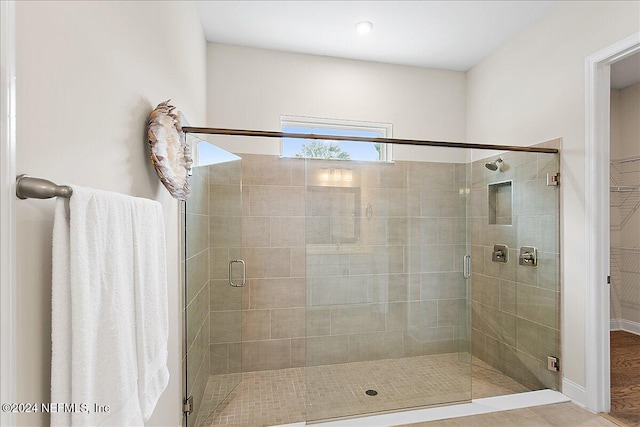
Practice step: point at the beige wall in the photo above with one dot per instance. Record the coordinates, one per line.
(625, 222)
(251, 88)
(88, 73)
(532, 89)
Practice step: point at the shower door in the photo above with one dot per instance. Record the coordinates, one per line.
(214, 277)
(387, 279)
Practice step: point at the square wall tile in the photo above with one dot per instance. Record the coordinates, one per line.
(537, 340)
(226, 326)
(288, 323)
(287, 231)
(327, 350)
(266, 355)
(420, 342)
(277, 201)
(266, 170)
(537, 304)
(375, 346)
(318, 321)
(267, 262)
(357, 318)
(256, 325)
(277, 293)
(256, 231)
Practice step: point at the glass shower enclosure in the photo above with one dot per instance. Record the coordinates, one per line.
(214, 275)
(368, 287)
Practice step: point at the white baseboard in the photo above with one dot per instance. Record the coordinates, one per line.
(614, 325)
(625, 325)
(575, 392)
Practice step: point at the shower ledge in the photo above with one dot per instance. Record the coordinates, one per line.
(476, 407)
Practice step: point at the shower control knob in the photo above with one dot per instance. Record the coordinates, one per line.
(500, 254)
(528, 256)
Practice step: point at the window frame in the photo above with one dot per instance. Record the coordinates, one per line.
(384, 129)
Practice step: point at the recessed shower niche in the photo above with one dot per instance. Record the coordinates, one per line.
(500, 203)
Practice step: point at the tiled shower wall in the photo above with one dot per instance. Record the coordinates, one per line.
(224, 238)
(397, 292)
(271, 223)
(515, 315)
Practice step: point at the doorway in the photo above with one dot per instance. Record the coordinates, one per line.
(625, 239)
(597, 393)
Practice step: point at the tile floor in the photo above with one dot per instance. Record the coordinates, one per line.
(276, 397)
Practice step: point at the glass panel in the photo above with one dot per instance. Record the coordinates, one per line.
(537, 211)
(212, 219)
(387, 310)
(514, 306)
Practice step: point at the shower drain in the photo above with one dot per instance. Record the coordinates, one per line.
(371, 393)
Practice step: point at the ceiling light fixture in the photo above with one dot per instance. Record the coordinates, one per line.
(364, 27)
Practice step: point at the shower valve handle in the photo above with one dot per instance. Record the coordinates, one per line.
(527, 256)
(500, 254)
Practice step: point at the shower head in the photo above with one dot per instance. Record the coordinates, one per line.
(495, 165)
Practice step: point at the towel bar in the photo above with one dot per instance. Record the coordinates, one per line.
(28, 187)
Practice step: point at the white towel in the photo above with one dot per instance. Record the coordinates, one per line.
(109, 308)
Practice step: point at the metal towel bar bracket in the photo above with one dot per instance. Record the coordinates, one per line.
(28, 187)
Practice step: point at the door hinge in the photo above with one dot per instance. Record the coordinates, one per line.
(608, 280)
(553, 363)
(553, 178)
(187, 405)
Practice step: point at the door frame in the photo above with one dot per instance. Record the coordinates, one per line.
(7, 201)
(597, 221)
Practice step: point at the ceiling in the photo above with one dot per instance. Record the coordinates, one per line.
(449, 35)
(626, 72)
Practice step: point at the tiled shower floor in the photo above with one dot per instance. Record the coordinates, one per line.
(268, 398)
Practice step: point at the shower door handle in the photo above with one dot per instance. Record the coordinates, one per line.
(244, 273)
(466, 266)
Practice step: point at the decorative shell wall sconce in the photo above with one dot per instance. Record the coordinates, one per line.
(170, 154)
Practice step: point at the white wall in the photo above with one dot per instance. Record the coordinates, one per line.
(251, 88)
(531, 90)
(88, 73)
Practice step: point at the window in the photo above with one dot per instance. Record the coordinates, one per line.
(335, 150)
